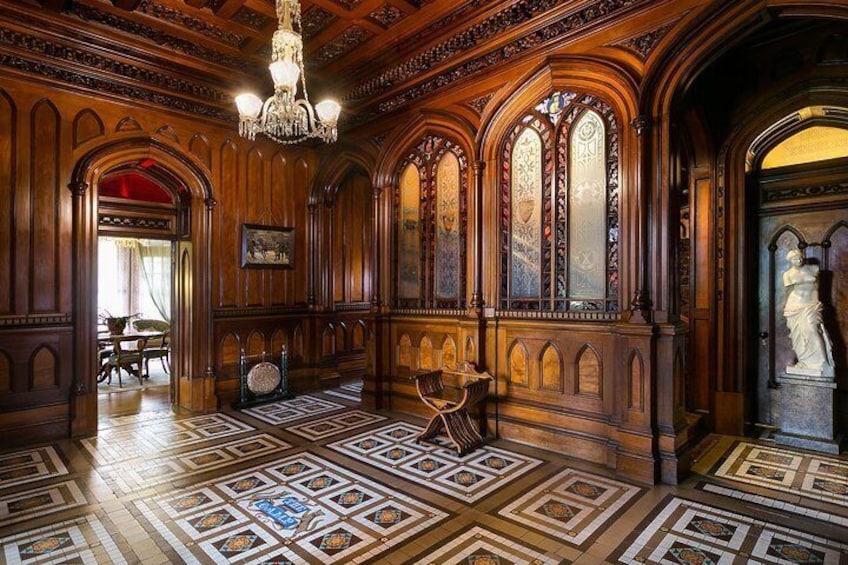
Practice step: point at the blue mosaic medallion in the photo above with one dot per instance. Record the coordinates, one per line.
(29, 503)
(293, 469)
(832, 487)
(429, 465)
(486, 559)
(497, 463)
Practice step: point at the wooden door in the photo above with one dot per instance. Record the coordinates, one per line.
(794, 217)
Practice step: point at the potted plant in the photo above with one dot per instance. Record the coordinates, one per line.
(115, 324)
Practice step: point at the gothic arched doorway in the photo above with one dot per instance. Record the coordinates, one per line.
(186, 221)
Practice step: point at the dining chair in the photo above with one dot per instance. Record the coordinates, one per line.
(128, 350)
(157, 347)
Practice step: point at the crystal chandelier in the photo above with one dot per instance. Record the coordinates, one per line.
(283, 117)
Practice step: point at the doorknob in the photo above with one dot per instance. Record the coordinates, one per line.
(764, 338)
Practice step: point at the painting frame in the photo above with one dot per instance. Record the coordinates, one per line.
(267, 247)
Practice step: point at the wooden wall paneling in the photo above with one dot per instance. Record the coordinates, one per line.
(256, 197)
(255, 343)
(551, 369)
(282, 206)
(44, 370)
(703, 304)
(339, 266)
(279, 340)
(199, 146)
(87, 126)
(5, 372)
(228, 244)
(302, 179)
(8, 182)
(589, 377)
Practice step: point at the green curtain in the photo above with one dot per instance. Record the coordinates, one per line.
(154, 258)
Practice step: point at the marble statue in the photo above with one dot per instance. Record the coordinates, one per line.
(803, 313)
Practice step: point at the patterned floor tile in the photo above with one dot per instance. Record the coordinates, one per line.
(83, 540)
(26, 466)
(811, 476)
(479, 546)
(686, 532)
(392, 448)
(334, 425)
(287, 411)
(130, 440)
(302, 508)
(40, 501)
(135, 475)
(572, 506)
(781, 505)
(348, 391)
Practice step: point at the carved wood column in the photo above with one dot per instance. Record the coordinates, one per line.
(640, 306)
(328, 300)
(376, 233)
(312, 232)
(477, 301)
(83, 385)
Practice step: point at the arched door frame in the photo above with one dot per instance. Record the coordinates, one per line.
(670, 74)
(195, 379)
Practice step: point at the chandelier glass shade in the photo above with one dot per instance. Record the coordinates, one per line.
(283, 117)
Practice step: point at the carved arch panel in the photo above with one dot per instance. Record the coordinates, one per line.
(44, 369)
(551, 368)
(589, 379)
(519, 364)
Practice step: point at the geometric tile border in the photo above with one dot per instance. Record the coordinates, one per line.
(479, 546)
(334, 425)
(349, 391)
(300, 509)
(121, 443)
(290, 410)
(810, 476)
(572, 505)
(689, 532)
(82, 540)
(40, 501)
(468, 478)
(775, 504)
(134, 475)
(19, 467)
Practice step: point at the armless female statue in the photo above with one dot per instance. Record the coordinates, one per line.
(803, 309)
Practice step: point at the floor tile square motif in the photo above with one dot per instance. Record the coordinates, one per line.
(479, 546)
(685, 532)
(40, 501)
(129, 440)
(298, 408)
(811, 476)
(139, 474)
(26, 466)
(571, 506)
(334, 425)
(300, 509)
(392, 448)
(82, 540)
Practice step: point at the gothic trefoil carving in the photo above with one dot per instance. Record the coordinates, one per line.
(479, 103)
(644, 44)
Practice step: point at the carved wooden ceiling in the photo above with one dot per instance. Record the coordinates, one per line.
(374, 56)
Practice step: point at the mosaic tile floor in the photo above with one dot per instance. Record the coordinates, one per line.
(349, 391)
(312, 481)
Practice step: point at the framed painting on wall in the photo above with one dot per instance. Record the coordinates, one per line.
(266, 247)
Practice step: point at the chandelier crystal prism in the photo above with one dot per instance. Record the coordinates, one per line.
(283, 117)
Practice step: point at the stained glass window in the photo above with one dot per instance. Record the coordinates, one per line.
(559, 208)
(526, 202)
(447, 227)
(438, 196)
(409, 235)
(587, 207)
